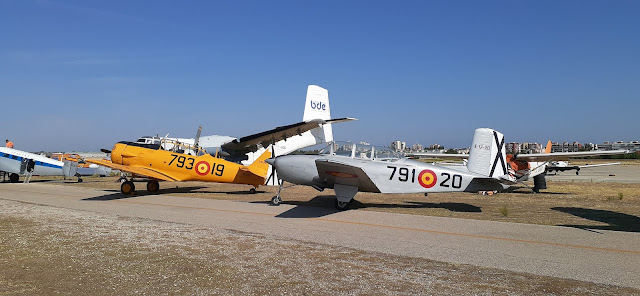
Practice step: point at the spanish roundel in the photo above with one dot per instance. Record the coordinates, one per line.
(202, 168)
(427, 178)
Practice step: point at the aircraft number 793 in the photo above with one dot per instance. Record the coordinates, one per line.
(449, 180)
(188, 163)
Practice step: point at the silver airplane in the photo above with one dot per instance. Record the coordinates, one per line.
(486, 170)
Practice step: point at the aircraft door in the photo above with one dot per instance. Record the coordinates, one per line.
(23, 166)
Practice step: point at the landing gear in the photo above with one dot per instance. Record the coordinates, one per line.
(14, 178)
(252, 191)
(79, 180)
(276, 200)
(127, 187)
(153, 186)
(343, 205)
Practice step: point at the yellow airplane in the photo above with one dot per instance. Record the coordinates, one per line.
(154, 163)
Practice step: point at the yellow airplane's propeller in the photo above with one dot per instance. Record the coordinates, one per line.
(197, 140)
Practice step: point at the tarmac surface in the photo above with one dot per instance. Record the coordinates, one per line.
(604, 257)
(612, 173)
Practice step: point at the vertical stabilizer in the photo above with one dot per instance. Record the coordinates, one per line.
(548, 149)
(317, 107)
(487, 155)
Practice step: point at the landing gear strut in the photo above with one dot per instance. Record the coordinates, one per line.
(276, 200)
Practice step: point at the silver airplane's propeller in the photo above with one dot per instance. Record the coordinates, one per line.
(273, 168)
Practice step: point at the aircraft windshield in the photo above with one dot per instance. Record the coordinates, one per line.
(363, 151)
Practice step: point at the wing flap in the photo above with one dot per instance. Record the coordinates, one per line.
(134, 170)
(344, 174)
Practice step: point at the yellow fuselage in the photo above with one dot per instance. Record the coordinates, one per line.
(183, 167)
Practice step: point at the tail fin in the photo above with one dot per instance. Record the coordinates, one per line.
(260, 167)
(548, 148)
(317, 107)
(487, 155)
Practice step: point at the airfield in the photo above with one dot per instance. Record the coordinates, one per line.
(581, 236)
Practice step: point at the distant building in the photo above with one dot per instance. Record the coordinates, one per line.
(417, 147)
(398, 146)
(565, 147)
(524, 148)
(620, 145)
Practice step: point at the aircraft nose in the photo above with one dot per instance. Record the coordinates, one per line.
(270, 161)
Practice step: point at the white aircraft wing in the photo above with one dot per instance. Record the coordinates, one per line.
(565, 155)
(438, 155)
(344, 174)
(250, 143)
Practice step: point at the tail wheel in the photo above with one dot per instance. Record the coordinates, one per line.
(14, 178)
(252, 191)
(127, 188)
(343, 205)
(153, 186)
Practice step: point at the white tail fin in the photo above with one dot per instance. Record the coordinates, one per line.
(317, 107)
(487, 156)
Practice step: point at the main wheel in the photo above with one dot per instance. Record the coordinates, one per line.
(153, 186)
(14, 178)
(79, 180)
(127, 188)
(276, 200)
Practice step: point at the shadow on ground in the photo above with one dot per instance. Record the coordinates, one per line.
(118, 195)
(323, 205)
(617, 221)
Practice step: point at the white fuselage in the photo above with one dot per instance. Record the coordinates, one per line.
(14, 161)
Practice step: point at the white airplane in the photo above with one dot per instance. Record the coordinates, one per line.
(315, 128)
(561, 166)
(14, 162)
(526, 166)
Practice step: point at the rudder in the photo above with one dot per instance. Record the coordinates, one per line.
(487, 155)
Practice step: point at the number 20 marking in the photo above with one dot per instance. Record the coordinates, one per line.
(456, 181)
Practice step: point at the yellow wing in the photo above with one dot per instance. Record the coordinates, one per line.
(142, 171)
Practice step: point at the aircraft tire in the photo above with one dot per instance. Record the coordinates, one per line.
(153, 186)
(79, 180)
(276, 200)
(127, 188)
(342, 206)
(252, 191)
(14, 178)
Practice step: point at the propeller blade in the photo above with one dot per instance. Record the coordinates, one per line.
(195, 143)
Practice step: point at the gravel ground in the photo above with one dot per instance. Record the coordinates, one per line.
(46, 250)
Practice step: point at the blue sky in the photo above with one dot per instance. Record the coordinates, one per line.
(81, 75)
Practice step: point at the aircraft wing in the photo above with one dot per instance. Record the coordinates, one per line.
(250, 143)
(565, 155)
(339, 173)
(438, 155)
(141, 171)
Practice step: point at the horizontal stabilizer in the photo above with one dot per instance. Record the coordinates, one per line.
(140, 171)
